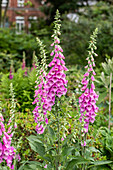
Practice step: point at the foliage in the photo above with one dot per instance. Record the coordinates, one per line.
(65, 6)
(12, 46)
(103, 84)
(69, 105)
(75, 38)
(26, 127)
(45, 144)
(60, 149)
(23, 87)
(105, 143)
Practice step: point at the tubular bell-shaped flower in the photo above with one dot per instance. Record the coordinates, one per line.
(87, 101)
(7, 151)
(40, 92)
(54, 84)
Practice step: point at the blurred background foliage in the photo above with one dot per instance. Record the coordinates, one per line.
(74, 37)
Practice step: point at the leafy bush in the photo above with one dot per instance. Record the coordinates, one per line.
(75, 36)
(12, 46)
(23, 87)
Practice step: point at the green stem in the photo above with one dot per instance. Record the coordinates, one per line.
(110, 99)
(58, 134)
(84, 167)
(58, 126)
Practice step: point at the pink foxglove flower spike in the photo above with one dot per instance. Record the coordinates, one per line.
(52, 85)
(23, 61)
(11, 71)
(7, 151)
(87, 101)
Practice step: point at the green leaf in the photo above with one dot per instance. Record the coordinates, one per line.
(34, 138)
(103, 132)
(38, 147)
(31, 165)
(98, 163)
(3, 168)
(92, 149)
(21, 167)
(76, 161)
(48, 157)
(105, 79)
(67, 139)
(102, 96)
(106, 67)
(67, 150)
(51, 132)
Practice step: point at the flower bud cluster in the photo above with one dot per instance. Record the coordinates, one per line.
(87, 101)
(40, 92)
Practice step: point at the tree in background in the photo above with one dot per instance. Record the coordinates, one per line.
(3, 15)
(109, 1)
(65, 6)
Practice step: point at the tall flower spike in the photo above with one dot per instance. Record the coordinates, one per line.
(40, 92)
(87, 100)
(56, 82)
(13, 105)
(7, 151)
(34, 63)
(23, 61)
(55, 79)
(11, 70)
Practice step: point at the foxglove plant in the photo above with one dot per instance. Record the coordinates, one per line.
(40, 92)
(49, 89)
(26, 72)
(24, 65)
(56, 82)
(10, 75)
(23, 62)
(34, 63)
(87, 101)
(7, 151)
(11, 71)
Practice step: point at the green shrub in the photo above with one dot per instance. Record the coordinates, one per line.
(23, 87)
